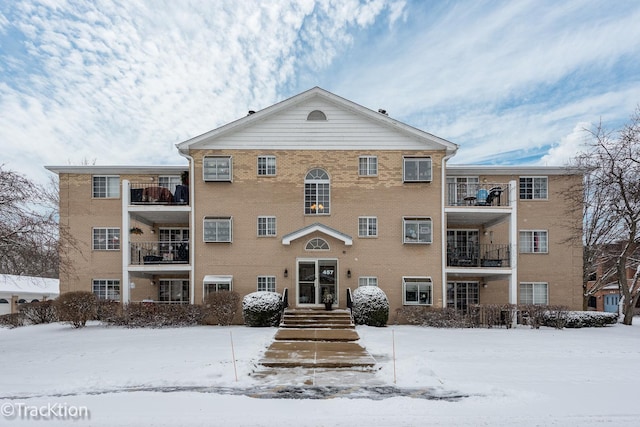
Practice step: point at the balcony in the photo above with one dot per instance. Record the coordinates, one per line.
(154, 194)
(480, 255)
(155, 253)
(478, 194)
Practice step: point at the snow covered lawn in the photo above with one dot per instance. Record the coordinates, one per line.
(167, 377)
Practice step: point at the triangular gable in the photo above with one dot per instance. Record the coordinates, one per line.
(212, 138)
(305, 231)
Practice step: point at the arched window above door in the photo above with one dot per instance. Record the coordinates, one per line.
(317, 244)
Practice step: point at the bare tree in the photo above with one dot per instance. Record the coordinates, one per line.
(612, 209)
(29, 231)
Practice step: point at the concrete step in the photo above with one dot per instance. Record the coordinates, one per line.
(317, 326)
(316, 354)
(308, 334)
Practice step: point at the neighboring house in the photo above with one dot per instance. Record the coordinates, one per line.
(317, 194)
(16, 290)
(608, 297)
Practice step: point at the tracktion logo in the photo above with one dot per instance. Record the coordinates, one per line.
(50, 411)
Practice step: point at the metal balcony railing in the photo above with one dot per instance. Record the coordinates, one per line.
(155, 194)
(480, 255)
(159, 253)
(478, 194)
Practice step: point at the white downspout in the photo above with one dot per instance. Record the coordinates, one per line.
(192, 209)
(443, 226)
(125, 248)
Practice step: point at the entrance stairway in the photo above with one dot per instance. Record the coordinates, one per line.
(310, 338)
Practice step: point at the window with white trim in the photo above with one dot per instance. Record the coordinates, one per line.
(534, 293)
(106, 239)
(534, 187)
(317, 197)
(367, 226)
(534, 242)
(368, 165)
(267, 165)
(216, 284)
(417, 291)
(217, 168)
(266, 226)
(417, 230)
(217, 230)
(106, 289)
(317, 244)
(173, 290)
(367, 281)
(106, 187)
(417, 169)
(267, 283)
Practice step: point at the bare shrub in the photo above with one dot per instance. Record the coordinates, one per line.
(222, 306)
(76, 308)
(39, 312)
(12, 320)
(532, 315)
(108, 311)
(431, 316)
(152, 315)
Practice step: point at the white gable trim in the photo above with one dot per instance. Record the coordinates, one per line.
(422, 140)
(346, 239)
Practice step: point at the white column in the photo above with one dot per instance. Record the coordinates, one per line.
(513, 242)
(125, 247)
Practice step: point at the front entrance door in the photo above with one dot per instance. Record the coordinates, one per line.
(611, 302)
(316, 278)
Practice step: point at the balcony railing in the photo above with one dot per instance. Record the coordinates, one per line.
(154, 194)
(481, 255)
(159, 253)
(478, 194)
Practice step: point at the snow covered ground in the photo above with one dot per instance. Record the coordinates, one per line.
(109, 376)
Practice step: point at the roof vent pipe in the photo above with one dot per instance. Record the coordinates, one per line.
(381, 111)
(251, 112)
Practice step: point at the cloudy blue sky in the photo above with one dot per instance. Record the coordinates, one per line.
(121, 82)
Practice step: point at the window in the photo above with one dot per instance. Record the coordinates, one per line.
(267, 283)
(317, 244)
(316, 193)
(266, 226)
(367, 226)
(213, 284)
(367, 281)
(460, 295)
(217, 168)
(170, 182)
(368, 166)
(173, 290)
(267, 165)
(174, 244)
(417, 169)
(417, 290)
(533, 188)
(317, 115)
(461, 187)
(217, 230)
(106, 289)
(534, 293)
(417, 230)
(106, 239)
(106, 187)
(534, 241)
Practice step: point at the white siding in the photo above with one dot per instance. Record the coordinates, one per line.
(343, 130)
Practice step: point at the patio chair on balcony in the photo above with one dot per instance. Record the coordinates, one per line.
(486, 198)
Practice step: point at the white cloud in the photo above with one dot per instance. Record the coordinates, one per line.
(569, 146)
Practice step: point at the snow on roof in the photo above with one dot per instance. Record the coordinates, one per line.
(19, 285)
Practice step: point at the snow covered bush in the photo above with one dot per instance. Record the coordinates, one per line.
(108, 311)
(222, 307)
(370, 306)
(76, 308)
(582, 319)
(39, 312)
(432, 316)
(262, 309)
